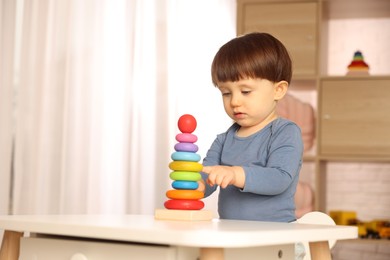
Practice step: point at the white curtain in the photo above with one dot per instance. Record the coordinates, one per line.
(7, 23)
(99, 88)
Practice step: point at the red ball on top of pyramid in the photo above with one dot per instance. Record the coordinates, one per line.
(186, 169)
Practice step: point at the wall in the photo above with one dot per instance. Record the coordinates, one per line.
(370, 36)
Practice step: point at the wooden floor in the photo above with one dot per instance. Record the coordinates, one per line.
(361, 249)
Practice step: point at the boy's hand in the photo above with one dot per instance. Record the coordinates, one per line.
(201, 186)
(225, 175)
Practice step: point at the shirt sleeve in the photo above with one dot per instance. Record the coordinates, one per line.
(282, 165)
(213, 157)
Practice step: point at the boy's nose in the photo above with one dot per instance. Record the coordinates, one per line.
(235, 101)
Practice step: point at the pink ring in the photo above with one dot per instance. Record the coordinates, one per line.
(186, 138)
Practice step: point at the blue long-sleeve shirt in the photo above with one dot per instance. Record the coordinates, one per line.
(271, 159)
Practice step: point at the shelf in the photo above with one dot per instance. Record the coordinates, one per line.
(298, 83)
(347, 158)
(359, 9)
(294, 23)
(353, 117)
(309, 158)
(304, 78)
(365, 77)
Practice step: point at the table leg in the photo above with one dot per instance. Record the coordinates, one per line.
(320, 250)
(211, 254)
(10, 245)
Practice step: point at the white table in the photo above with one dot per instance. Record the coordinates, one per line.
(212, 237)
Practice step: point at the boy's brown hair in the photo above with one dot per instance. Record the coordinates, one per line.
(254, 55)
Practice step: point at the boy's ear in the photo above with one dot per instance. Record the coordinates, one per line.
(280, 89)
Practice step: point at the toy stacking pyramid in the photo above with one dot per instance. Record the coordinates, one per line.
(184, 200)
(357, 65)
(186, 168)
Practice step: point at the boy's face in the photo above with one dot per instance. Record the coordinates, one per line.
(251, 102)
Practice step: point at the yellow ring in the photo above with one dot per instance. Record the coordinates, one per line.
(186, 166)
(185, 194)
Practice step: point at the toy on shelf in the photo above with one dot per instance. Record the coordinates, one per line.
(184, 200)
(358, 66)
(376, 229)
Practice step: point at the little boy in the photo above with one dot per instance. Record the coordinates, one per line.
(256, 162)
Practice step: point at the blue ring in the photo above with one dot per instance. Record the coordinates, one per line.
(185, 156)
(185, 185)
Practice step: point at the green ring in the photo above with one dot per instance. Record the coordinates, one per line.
(185, 176)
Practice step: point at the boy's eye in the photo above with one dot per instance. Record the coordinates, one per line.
(245, 92)
(225, 93)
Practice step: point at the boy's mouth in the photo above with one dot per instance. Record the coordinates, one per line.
(239, 115)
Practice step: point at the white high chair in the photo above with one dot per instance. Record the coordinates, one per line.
(317, 218)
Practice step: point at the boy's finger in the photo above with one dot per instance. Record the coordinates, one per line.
(210, 183)
(206, 169)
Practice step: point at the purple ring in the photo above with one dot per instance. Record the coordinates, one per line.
(186, 147)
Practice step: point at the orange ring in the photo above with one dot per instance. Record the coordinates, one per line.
(186, 166)
(185, 194)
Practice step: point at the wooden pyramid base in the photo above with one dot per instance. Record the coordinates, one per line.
(187, 215)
